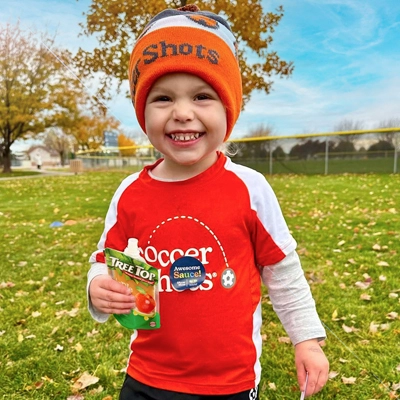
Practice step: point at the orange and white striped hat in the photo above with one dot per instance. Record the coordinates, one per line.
(191, 41)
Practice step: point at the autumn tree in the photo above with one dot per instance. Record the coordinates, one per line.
(127, 145)
(30, 79)
(346, 143)
(256, 148)
(392, 137)
(82, 116)
(57, 140)
(116, 24)
(88, 130)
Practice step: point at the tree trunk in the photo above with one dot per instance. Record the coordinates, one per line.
(6, 159)
(62, 158)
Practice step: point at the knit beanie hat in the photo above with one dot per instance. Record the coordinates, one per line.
(191, 41)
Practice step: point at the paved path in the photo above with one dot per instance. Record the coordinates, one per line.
(41, 174)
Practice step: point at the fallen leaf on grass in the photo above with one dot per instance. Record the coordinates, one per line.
(365, 296)
(92, 333)
(97, 390)
(72, 313)
(35, 386)
(373, 328)
(6, 285)
(78, 347)
(75, 397)
(396, 386)
(392, 315)
(59, 348)
(333, 374)
(362, 285)
(385, 327)
(349, 329)
(84, 381)
(349, 381)
(382, 264)
(272, 385)
(284, 339)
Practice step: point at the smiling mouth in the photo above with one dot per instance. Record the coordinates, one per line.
(186, 137)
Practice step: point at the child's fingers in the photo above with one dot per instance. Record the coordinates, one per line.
(316, 381)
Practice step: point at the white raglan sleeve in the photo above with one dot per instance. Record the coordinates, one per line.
(292, 300)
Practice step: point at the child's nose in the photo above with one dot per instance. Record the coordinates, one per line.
(183, 111)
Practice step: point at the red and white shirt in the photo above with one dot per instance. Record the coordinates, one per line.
(229, 219)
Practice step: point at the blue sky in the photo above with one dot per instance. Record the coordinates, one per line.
(345, 52)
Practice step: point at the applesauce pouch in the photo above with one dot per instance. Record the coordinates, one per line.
(142, 279)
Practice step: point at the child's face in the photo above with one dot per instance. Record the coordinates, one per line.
(185, 120)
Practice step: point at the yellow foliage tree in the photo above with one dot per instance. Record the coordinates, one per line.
(124, 141)
(116, 24)
(32, 82)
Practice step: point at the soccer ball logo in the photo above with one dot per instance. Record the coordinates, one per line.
(228, 278)
(253, 394)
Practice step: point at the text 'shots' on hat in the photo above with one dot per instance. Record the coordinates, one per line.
(191, 41)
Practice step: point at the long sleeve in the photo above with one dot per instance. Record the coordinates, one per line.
(292, 300)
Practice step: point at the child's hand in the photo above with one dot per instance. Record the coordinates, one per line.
(110, 297)
(310, 358)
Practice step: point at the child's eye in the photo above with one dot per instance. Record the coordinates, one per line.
(162, 98)
(203, 96)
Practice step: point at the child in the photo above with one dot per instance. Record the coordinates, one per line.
(195, 202)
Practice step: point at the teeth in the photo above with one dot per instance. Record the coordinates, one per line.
(185, 138)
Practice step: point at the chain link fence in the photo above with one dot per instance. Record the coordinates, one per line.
(356, 152)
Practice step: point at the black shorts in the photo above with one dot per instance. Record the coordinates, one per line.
(134, 390)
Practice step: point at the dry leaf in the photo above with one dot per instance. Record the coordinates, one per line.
(365, 296)
(362, 285)
(78, 347)
(272, 385)
(333, 374)
(385, 327)
(383, 264)
(349, 381)
(84, 381)
(392, 315)
(373, 328)
(36, 314)
(284, 339)
(6, 285)
(349, 329)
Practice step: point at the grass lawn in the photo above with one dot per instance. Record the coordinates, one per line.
(18, 173)
(348, 233)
